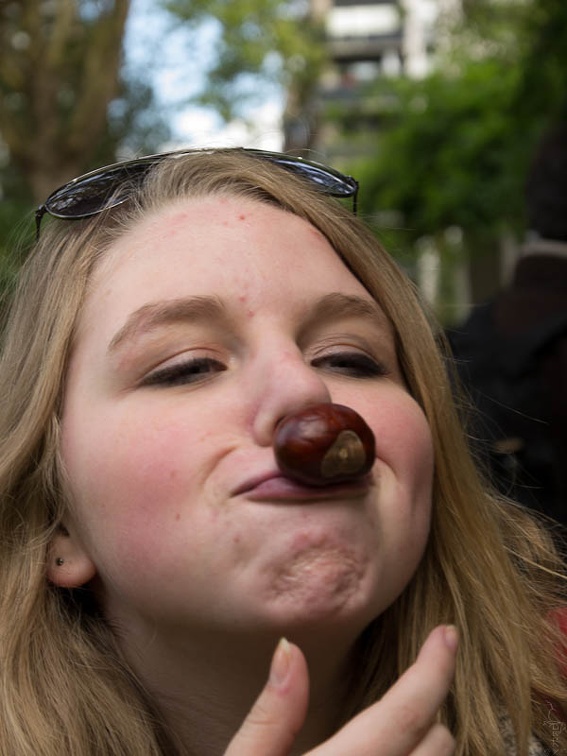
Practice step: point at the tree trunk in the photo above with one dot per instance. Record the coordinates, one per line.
(59, 72)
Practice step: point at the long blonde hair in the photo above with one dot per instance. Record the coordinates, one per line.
(489, 567)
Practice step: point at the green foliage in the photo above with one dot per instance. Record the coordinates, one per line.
(59, 70)
(67, 104)
(16, 235)
(134, 122)
(542, 88)
(531, 35)
(260, 44)
(448, 158)
(455, 149)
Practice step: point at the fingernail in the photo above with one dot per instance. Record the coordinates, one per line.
(280, 663)
(451, 637)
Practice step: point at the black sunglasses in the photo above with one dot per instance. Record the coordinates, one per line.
(101, 189)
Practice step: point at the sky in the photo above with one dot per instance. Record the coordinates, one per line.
(176, 65)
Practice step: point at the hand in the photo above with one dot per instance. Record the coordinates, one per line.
(402, 723)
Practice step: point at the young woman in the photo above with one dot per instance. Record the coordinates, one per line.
(153, 552)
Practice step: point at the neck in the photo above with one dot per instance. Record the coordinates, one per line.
(205, 687)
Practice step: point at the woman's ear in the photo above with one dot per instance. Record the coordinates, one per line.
(69, 565)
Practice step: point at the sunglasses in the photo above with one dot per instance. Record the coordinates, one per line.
(112, 185)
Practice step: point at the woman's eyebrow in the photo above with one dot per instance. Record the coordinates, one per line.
(157, 314)
(337, 305)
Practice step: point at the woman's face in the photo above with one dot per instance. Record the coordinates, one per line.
(205, 325)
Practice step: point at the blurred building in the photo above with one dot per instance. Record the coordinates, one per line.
(340, 118)
(366, 40)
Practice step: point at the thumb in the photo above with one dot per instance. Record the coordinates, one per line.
(278, 714)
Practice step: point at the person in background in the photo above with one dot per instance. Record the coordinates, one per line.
(512, 351)
(179, 312)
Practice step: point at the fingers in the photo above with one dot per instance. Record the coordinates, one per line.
(437, 742)
(404, 721)
(279, 711)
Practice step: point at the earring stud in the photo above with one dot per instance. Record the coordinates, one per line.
(59, 561)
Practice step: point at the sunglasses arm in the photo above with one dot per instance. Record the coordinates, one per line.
(39, 213)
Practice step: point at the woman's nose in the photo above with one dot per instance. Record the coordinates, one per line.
(287, 385)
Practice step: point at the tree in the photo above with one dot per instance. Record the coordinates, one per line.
(531, 35)
(67, 104)
(445, 159)
(456, 150)
(260, 44)
(66, 101)
(61, 74)
(59, 71)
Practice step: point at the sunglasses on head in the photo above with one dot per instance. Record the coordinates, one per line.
(108, 187)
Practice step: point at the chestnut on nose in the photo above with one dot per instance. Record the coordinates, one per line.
(324, 444)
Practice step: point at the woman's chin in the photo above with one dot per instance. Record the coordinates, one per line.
(321, 590)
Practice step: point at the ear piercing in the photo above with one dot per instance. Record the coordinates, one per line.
(59, 561)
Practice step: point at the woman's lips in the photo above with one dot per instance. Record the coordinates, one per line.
(276, 486)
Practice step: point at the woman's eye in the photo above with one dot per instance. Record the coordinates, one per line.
(353, 364)
(182, 373)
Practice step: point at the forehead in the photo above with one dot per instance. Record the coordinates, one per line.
(218, 242)
(256, 259)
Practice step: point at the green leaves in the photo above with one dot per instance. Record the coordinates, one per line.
(261, 45)
(442, 162)
(457, 148)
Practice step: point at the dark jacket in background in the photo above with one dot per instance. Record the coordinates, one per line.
(512, 351)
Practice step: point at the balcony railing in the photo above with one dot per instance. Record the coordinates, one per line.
(368, 47)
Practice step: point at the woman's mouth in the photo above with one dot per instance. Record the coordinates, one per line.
(277, 487)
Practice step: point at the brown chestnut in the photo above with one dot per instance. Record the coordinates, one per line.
(324, 444)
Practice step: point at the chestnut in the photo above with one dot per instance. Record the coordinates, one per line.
(324, 444)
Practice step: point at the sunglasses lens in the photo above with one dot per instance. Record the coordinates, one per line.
(92, 194)
(109, 187)
(334, 185)
(329, 181)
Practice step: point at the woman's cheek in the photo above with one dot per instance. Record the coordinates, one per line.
(403, 439)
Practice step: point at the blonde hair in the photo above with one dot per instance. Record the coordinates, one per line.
(488, 567)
